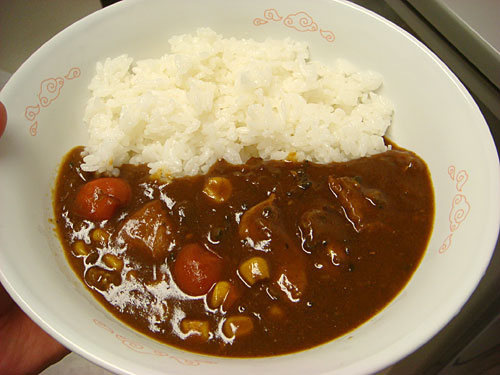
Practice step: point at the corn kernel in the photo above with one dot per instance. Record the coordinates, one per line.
(196, 327)
(101, 278)
(131, 275)
(113, 261)
(80, 249)
(99, 235)
(219, 294)
(237, 326)
(254, 269)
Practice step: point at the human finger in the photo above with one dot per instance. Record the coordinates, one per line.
(3, 118)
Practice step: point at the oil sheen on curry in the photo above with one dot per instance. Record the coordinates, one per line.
(260, 259)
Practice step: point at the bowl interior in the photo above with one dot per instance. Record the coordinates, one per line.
(435, 117)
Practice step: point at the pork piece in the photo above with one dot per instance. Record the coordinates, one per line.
(258, 224)
(360, 203)
(291, 278)
(323, 230)
(148, 230)
(320, 225)
(262, 228)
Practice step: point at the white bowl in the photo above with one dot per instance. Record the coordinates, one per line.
(435, 117)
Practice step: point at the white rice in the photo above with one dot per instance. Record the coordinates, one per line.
(213, 98)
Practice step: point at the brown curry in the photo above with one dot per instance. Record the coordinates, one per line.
(260, 259)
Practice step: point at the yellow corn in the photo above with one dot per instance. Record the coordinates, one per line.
(237, 326)
(219, 293)
(99, 235)
(79, 248)
(131, 275)
(113, 261)
(197, 327)
(254, 269)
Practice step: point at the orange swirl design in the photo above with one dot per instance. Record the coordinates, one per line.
(446, 244)
(31, 112)
(300, 21)
(34, 128)
(102, 325)
(259, 22)
(451, 172)
(139, 348)
(73, 73)
(191, 362)
(327, 35)
(460, 206)
(461, 179)
(272, 15)
(136, 347)
(187, 362)
(50, 89)
(159, 353)
(459, 210)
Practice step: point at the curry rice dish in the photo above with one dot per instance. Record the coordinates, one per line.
(237, 198)
(256, 259)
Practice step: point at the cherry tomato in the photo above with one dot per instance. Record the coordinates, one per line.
(3, 118)
(99, 199)
(196, 269)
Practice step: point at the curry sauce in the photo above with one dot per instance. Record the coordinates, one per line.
(260, 259)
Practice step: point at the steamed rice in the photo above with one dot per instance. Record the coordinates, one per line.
(213, 98)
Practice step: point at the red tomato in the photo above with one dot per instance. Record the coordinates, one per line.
(99, 199)
(3, 118)
(196, 269)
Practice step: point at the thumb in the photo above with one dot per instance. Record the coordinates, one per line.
(3, 118)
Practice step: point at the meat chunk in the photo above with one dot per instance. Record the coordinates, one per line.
(323, 230)
(291, 279)
(321, 224)
(258, 224)
(148, 230)
(359, 203)
(263, 229)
